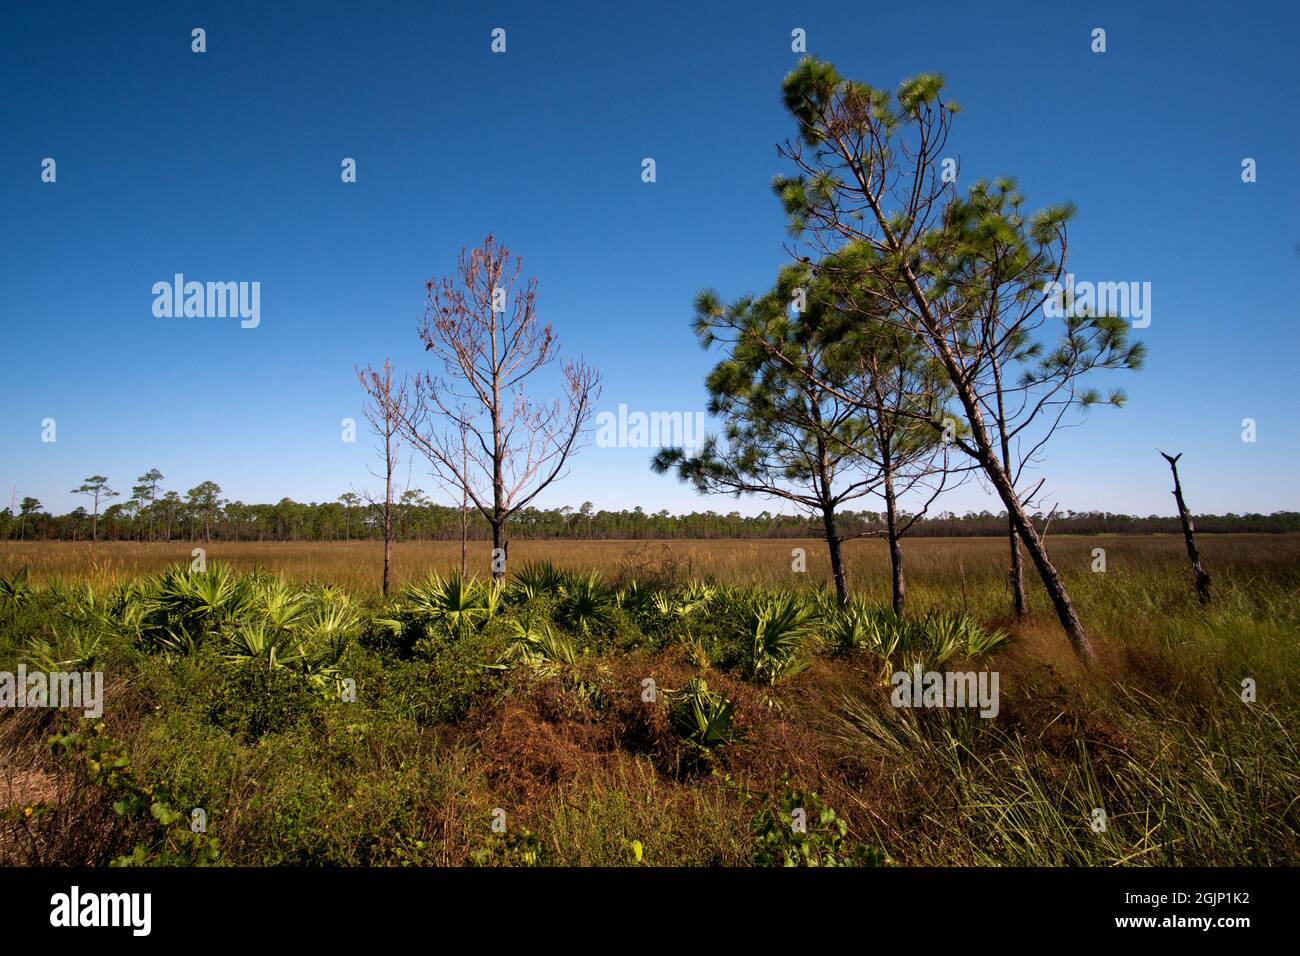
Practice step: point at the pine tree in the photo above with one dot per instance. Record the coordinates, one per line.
(963, 275)
(96, 487)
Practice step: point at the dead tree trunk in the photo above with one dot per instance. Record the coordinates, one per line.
(389, 403)
(1200, 576)
(500, 552)
(388, 524)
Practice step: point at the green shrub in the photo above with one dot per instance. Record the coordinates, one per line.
(442, 684)
(254, 700)
(434, 611)
(929, 641)
(534, 580)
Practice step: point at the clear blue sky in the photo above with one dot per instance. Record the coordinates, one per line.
(225, 166)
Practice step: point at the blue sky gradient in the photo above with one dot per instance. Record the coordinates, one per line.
(225, 166)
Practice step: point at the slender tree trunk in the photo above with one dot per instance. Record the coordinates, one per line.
(501, 549)
(388, 530)
(1001, 481)
(464, 541)
(1020, 523)
(464, 501)
(1017, 572)
(464, 535)
(1200, 577)
(94, 523)
(833, 543)
(895, 547)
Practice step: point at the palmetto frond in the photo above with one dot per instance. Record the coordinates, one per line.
(778, 630)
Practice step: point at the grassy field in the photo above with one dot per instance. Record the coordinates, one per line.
(942, 573)
(532, 703)
(935, 565)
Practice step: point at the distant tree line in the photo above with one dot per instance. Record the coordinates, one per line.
(202, 514)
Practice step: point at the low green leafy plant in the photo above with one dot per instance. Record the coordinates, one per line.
(539, 648)
(552, 655)
(846, 627)
(14, 590)
(253, 700)
(804, 831)
(450, 606)
(78, 648)
(929, 641)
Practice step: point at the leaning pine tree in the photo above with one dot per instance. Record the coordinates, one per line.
(966, 276)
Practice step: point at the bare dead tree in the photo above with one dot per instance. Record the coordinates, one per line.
(1200, 577)
(475, 421)
(388, 404)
